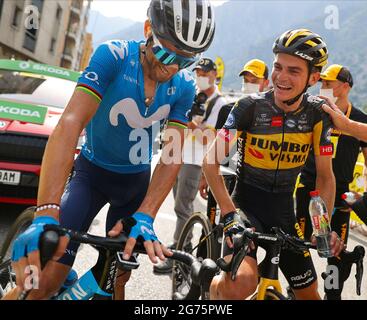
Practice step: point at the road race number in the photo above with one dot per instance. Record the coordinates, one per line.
(9, 177)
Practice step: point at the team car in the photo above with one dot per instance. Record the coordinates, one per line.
(33, 97)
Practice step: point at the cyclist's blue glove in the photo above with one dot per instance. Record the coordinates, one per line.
(232, 224)
(140, 227)
(28, 241)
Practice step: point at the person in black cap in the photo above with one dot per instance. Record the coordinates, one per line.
(201, 133)
(206, 73)
(337, 82)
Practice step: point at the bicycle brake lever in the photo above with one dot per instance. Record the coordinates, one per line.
(359, 276)
(238, 256)
(359, 269)
(239, 243)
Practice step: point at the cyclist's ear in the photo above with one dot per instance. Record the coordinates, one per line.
(147, 29)
(314, 78)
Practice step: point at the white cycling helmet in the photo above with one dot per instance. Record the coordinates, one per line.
(188, 24)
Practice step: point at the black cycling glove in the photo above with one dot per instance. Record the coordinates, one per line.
(232, 224)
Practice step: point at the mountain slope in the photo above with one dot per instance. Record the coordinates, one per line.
(101, 26)
(247, 29)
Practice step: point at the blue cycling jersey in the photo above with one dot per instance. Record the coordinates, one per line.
(120, 135)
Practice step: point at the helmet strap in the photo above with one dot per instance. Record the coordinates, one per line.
(150, 39)
(289, 102)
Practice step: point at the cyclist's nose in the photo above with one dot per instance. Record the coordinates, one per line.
(281, 75)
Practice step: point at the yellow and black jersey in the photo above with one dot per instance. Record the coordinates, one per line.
(274, 145)
(346, 149)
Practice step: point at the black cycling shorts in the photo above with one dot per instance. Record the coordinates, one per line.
(265, 210)
(90, 188)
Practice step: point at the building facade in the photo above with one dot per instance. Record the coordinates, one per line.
(87, 51)
(76, 34)
(42, 31)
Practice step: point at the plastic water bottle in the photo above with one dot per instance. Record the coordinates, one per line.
(320, 224)
(349, 197)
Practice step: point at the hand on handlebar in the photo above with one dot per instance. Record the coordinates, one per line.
(140, 228)
(232, 225)
(26, 252)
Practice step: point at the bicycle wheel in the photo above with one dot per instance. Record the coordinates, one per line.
(271, 294)
(7, 276)
(196, 240)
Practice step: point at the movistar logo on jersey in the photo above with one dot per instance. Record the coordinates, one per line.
(118, 49)
(130, 110)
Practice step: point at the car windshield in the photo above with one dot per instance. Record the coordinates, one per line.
(35, 89)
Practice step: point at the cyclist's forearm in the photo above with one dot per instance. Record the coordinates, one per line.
(326, 185)
(356, 129)
(56, 164)
(163, 179)
(217, 187)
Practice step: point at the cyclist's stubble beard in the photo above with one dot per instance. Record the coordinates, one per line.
(156, 71)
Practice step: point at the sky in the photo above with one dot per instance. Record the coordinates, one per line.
(132, 9)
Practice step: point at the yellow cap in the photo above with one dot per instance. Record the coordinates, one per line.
(337, 72)
(256, 67)
(331, 73)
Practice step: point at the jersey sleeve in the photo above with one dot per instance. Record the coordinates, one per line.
(322, 129)
(223, 115)
(103, 67)
(241, 115)
(178, 114)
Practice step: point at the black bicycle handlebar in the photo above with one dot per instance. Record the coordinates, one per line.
(48, 245)
(201, 272)
(242, 241)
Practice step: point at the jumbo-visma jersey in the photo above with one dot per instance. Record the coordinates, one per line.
(119, 136)
(274, 145)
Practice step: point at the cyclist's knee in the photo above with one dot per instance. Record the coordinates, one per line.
(309, 293)
(42, 293)
(53, 278)
(213, 290)
(239, 289)
(243, 286)
(45, 291)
